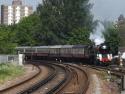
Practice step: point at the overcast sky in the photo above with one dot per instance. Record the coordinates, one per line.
(108, 9)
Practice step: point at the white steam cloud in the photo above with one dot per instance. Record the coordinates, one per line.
(97, 35)
(123, 55)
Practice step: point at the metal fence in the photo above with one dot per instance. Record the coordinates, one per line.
(9, 59)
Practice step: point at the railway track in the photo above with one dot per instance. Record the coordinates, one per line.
(71, 77)
(56, 82)
(16, 85)
(40, 83)
(59, 80)
(74, 83)
(84, 84)
(68, 76)
(33, 82)
(115, 70)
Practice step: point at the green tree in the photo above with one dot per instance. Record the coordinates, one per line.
(59, 18)
(6, 37)
(54, 22)
(112, 37)
(79, 36)
(121, 28)
(25, 30)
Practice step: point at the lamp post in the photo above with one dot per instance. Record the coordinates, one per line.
(20, 56)
(120, 59)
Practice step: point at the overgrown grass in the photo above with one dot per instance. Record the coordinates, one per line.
(103, 75)
(9, 71)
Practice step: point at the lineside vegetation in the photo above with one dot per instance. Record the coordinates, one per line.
(55, 22)
(9, 71)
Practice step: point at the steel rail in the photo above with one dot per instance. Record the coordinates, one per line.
(70, 72)
(31, 89)
(85, 85)
(70, 76)
(11, 87)
(64, 82)
(112, 70)
(39, 84)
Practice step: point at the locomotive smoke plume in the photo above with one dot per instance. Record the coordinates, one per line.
(97, 35)
(123, 55)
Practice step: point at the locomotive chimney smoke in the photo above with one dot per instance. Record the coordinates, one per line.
(123, 55)
(97, 35)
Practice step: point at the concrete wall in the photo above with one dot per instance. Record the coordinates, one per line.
(9, 58)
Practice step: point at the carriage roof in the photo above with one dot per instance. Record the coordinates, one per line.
(54, 46)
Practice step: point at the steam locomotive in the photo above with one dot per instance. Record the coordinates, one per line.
(95, 54)
(103, 54)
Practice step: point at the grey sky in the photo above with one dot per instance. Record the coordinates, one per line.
(108, 9)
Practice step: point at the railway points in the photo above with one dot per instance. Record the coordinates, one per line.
(73, 78)
(72, 84)
(54, 83)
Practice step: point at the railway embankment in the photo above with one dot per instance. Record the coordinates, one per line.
(10, 71)
(27, 71)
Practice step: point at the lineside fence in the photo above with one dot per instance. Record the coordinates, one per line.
(9, 59)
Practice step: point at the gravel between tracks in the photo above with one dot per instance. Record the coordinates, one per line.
(74, 86)
(98, 85)
(47, 87)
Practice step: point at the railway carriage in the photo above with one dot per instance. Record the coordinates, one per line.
(92, 54)
(66, 52)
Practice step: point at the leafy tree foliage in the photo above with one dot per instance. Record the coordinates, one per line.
(80, 36)
(54, 22)
(121, 28)
(25, 30)
(112, 37)
(6, 37)
(18, 34)
(59, 18)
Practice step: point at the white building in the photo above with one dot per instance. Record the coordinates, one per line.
(11, 14)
